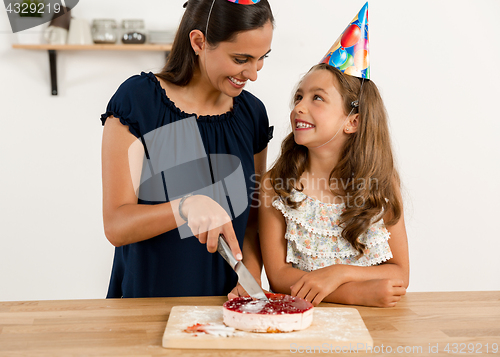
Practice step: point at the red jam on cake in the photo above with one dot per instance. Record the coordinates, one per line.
(283, 313)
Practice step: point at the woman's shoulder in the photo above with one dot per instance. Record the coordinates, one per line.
(247, 96)
(251, 103)
(253, 115)
(137, 85)
(136, 103)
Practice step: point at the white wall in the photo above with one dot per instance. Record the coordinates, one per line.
(435, 62)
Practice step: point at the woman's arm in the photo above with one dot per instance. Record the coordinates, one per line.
(126, 221)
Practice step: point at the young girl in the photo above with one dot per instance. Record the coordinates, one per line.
(332, 200)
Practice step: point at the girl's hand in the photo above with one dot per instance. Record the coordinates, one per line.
(239, 291)
(317, 284)
(382, 292)
(207, 219)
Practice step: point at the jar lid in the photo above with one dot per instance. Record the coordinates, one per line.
(107, 23)
(133, 24)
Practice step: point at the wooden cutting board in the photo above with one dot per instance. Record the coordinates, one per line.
(333, 329)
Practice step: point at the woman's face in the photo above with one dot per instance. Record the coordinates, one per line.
(231, 64)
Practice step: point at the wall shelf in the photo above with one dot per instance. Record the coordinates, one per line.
(52, 50)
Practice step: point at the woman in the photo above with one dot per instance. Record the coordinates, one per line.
(218, 47)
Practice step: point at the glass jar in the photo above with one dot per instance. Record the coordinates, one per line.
(133, 31)
(104, 31)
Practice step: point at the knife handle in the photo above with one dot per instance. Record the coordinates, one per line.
(225, 251)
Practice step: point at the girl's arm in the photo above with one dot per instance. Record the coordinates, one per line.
(377, 292)
(126, 221)
(272, 228)
(251, 244)
(384, 284)
(316, 285)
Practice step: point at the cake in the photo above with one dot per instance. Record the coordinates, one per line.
(283, 313)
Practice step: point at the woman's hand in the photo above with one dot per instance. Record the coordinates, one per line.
(239, 291)
(317, 284)
(236, 292)
(207, 220)
(382, 292)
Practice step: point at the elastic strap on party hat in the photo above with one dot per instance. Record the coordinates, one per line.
(354, 105)
(338, 131)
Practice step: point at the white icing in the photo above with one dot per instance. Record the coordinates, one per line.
(267, 322)
(254, 306)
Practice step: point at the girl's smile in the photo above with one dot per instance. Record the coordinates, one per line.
(318, 114)
(303, 125)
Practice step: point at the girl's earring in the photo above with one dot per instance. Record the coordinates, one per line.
(196, 53)
(347, 129)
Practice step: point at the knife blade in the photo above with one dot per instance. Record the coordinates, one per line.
(245, 278)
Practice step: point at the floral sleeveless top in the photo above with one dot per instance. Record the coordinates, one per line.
(314, 236)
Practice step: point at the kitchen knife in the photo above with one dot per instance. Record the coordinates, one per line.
(245, 278)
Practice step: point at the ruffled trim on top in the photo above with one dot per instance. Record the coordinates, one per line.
(133, 125)
(317, 247)
(329, 228)
(344, 250)
(315, 237)
(171, 105)
(311, 265)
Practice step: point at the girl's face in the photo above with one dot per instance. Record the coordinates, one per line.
(318, 113)
(231, 64)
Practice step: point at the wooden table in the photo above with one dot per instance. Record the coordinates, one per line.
(421, 324)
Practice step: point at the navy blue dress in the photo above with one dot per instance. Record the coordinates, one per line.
(167, 265)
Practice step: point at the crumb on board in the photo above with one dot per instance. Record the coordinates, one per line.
(211, 329)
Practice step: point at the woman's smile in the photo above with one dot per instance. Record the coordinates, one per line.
(236, 82)
(230, 65)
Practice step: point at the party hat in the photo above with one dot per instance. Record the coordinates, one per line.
(245, 2)
(351, 52)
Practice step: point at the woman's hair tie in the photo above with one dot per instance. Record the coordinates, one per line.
(185, 4)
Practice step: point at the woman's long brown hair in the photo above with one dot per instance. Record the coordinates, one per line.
(226, 21)
(366, 168)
